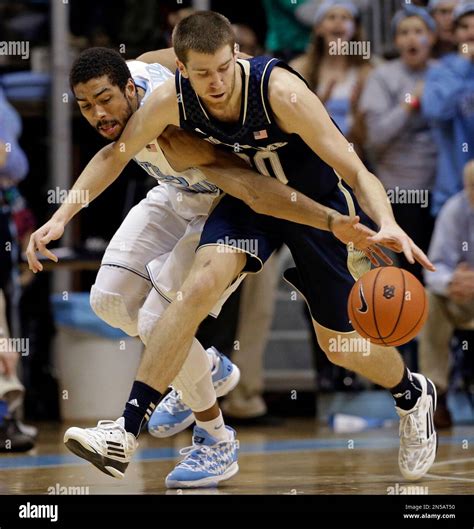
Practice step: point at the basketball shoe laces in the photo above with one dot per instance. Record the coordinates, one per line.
(412, 437)
(108, 429)
(198, 459)
(172, 402)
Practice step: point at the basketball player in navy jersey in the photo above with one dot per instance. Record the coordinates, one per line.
(162, 232)
(262, 110)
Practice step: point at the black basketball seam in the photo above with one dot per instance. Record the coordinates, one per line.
(417, 321)
(358, 322)
(401, 306)
(373, 308)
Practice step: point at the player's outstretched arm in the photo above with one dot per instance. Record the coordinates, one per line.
(299, 111)
(90, 184)
(263, 194)
(165, 57)
(105, 167)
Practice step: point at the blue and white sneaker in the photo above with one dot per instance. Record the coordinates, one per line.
(172, 416)
(207, 462)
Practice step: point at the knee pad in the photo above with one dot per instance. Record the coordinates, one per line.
(194, 381)
(146, 322)
(111, 308)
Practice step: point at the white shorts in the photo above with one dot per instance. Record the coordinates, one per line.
(159, 236)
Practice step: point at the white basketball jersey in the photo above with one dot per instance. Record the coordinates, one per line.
(151, 158)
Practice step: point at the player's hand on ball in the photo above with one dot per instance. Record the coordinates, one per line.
(183, 149)
(393, 237)
(349, 230)
(50, 231)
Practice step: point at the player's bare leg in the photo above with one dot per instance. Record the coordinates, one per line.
(382, 365)
(172, 337)
(414, 394)
(111, 445)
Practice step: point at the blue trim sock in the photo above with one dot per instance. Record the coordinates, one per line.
(140, 406)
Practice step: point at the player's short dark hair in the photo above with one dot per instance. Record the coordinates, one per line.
(97, 62)
(204, 32)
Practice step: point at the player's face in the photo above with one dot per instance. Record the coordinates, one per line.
(465, 30)
(212, 76)
(337, 24)
(414, 41)
(105, 106)
(443, 16)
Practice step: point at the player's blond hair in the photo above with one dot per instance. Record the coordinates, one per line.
(204, 32)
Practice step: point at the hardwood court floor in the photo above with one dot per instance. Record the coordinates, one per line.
(298, 457)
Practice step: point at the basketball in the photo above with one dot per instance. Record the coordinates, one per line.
(388, 306)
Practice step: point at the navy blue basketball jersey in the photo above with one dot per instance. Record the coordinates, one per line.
(256, 136)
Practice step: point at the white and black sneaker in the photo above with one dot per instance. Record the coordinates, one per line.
(108, 446)
(418, 438)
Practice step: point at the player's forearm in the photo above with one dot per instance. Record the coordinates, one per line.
(98, 175)
(165, 57)
(267, 196)
(373, 198)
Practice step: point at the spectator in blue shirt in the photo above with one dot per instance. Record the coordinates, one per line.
(448, 100)
(450, 289)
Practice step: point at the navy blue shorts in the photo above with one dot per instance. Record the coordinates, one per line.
(325, 268)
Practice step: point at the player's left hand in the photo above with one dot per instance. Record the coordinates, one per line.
(350, 231)
(183, 149)
(393, 237)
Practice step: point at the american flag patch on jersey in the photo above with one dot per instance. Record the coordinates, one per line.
(260, 134)
(151, 147)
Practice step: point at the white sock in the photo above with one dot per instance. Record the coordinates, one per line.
(216, 428)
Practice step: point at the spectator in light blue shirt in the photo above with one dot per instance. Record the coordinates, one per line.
(448, 101)
(450, 289)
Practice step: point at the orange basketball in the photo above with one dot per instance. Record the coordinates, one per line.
(388, 306)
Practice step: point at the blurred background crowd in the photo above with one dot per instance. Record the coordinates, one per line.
(398, 79)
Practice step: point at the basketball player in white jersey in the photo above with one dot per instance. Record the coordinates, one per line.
(156, 242)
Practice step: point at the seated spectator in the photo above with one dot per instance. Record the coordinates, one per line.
(397, 133)
(336, 77)
(14, 437)
(442, 11)
(450, 289)
(448, 100)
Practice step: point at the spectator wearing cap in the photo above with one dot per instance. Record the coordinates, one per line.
(336, 77)
(450, 289)
(397, 133)
(448, 101)
(442, 11)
